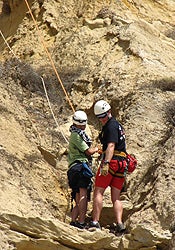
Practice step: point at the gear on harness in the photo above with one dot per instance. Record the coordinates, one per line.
(121, 164)
(131, 162)
(75, 172)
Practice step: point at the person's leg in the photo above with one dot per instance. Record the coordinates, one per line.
(117, 204)
(75, 210)
(97, 203)
(82, 204)
(101, 183)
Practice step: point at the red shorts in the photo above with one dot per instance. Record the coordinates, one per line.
(109, 180)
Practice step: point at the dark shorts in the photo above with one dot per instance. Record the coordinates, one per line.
(76, 179)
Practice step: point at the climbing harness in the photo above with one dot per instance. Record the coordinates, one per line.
(126, 163)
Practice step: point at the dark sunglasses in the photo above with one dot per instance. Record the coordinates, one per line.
(101, 115)
(80, 121)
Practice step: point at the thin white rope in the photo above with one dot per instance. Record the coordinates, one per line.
(43, 87)
(8, 46)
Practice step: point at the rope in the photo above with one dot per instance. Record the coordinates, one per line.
(49, 56)
(51, 107)
(8, 46)
(43, 87)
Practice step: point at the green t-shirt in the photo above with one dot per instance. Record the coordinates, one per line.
(77, 147)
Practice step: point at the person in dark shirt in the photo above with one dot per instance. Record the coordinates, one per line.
(112, 167)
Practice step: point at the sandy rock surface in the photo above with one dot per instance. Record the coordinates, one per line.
(121, 51)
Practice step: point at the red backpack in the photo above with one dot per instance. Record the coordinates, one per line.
(131, 163)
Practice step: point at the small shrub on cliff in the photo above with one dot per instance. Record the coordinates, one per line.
(171, 33)
(23, 74)
(167, 84)
(170, 111)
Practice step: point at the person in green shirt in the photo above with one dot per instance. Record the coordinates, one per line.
(79, 172)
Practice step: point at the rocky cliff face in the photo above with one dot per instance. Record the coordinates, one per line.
(121, 51)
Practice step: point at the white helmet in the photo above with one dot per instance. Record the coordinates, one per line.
(101, 108)
(79, 118)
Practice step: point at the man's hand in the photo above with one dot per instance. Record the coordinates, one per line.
(104, 169)
(100, 151)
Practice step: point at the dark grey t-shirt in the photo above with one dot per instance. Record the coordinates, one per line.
(113, 131)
